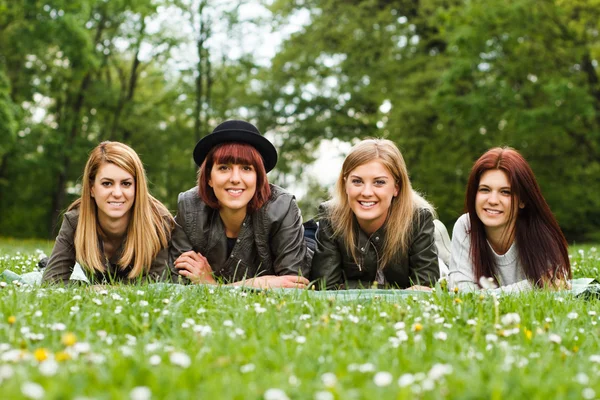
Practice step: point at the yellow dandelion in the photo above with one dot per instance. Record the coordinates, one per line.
(69, 339)
(457, 300)
(62, 356)
(41, 354)
(528, 333)
(455, 289)
(417, 327)
(575, 349)
(12, 319)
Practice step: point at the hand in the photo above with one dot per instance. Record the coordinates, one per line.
(274, 282)
(195, 267)
(419, 287)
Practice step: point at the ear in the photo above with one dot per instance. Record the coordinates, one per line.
(210, 183)
(92, 191)
(396, 190)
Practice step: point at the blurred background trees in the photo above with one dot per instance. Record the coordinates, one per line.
(445, 80)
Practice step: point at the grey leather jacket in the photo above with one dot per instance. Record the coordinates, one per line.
(271, 241)
(334, 268)
(63, 259)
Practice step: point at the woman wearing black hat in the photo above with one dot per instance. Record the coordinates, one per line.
(234, 226)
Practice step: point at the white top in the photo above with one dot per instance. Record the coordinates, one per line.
(511, 276)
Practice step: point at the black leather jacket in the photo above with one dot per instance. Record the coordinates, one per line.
(334, 267)
(271, 241)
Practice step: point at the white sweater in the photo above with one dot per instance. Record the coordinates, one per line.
(509, 269)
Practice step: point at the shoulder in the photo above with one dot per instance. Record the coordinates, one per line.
(462, 226)
(72, 217)
(279, 204)
(189, 196)
(423, 215)
(190, 201)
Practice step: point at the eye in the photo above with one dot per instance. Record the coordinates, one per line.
(505, 192)
(380, 182)
(106, 184)
(483, 190)
(356, 181)
(222, 167)
(248, 168)
(127, 184)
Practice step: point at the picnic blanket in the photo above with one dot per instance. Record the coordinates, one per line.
(585, 288)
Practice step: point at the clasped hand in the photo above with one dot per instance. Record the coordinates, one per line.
(195, 267)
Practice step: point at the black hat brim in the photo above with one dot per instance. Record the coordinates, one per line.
(259, 142)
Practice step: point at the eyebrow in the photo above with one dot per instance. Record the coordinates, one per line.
(487, 186)
(112, 180)
(377, 177)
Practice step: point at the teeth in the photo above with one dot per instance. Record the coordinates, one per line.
(235, 191)
(493, 211)
(367, 203)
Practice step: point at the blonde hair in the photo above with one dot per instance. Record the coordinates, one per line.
(150, 223)
(401, 214)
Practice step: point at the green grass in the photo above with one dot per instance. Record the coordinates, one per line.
(247, 344)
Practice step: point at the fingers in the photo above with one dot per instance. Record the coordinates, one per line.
(293, 282)
(295, 279)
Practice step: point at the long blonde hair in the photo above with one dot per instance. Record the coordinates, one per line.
(150, 223)
(401, 215)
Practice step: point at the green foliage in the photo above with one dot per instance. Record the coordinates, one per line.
(446, 80)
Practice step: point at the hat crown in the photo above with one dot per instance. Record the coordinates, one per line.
(236, 125)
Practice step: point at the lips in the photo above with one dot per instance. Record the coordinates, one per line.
(367, 204)
(235, 192)
(116, 203)
(492, 212)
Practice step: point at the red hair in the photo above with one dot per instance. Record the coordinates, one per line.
(541, 244)
(234, 153)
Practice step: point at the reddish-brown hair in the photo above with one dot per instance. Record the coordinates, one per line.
(234, 153)
(541, 244)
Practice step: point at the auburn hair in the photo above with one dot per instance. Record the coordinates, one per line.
(234, 153)
(150, 223)
(543, 249)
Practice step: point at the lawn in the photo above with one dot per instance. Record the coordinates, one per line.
(169, 341)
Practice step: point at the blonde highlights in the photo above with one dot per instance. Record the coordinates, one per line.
(150, 223)
(401, 215)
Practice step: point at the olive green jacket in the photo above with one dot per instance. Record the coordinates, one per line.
(270, 242)
(334, 267)
(62, 260)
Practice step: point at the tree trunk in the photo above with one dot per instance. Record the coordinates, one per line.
(58, 197)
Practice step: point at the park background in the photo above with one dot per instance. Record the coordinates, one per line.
(445, 80)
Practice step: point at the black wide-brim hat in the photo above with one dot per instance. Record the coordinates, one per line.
(237, 131)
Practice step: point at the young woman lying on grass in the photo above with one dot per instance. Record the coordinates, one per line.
(508, 237)
(116, 230)
(234, 226)
(375, 229)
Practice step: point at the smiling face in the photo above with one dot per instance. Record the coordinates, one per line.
(114, 192)
(494, 204)
(370, 189)
(234, 185)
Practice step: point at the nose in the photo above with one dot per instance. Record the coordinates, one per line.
(493, 198)
(367, 190)
(117, 192)
(235, 174)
